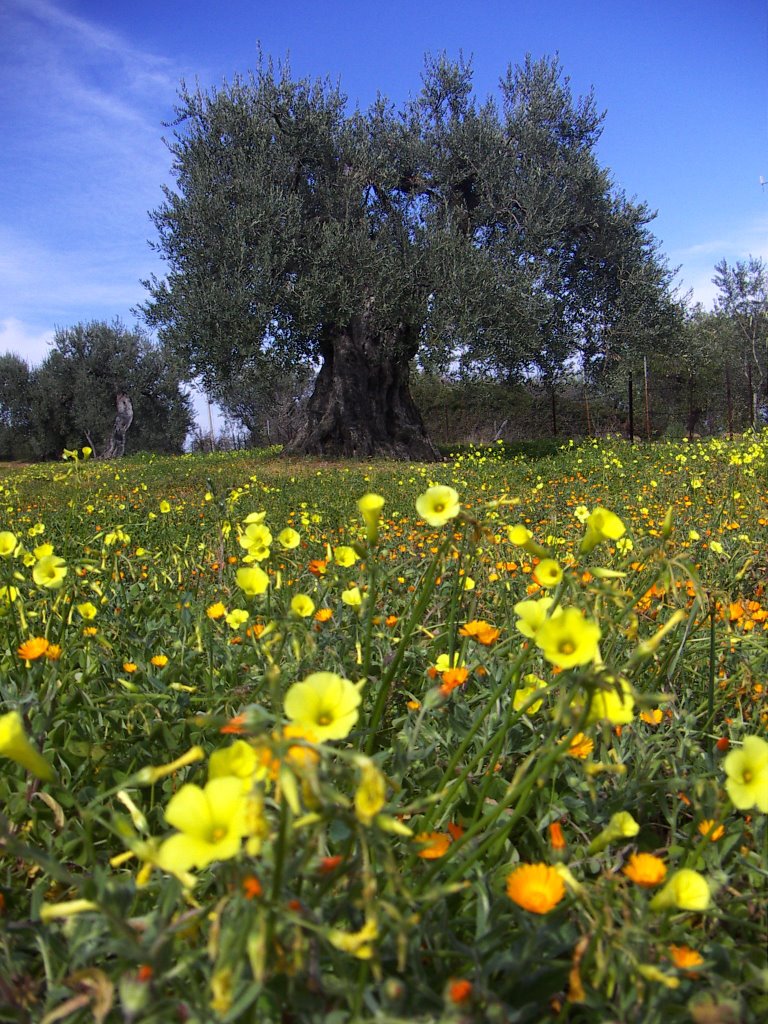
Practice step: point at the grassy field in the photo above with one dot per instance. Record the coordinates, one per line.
(488, 746)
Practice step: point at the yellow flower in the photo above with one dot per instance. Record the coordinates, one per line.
(438, 504)
(524, 693)
(252, 581)
(685, 890)
(8, 595)
(237, 618)
(345, 556)
(548, 572)
(15, 745)
(569, 639)
(87, 610)
(288, 538)
(371, 792)
(7, 543)
(43, 550)
(747, 771)
(717, 547)
(535, 887)
(522, 537)
(615, 704)
(211, 823)
(239, 760)
(256, 538)
(69, 908)
(32, 649)
(49, 572)
(165, 508)
(359, 943)
(533, 614)
(645, 869)
(601, 525)
(302, 605)
(370, 506)
(216, 611)
(352, 597)
(324, 703)
(159, 660)
(621, 826)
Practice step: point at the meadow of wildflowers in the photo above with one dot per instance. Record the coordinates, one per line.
(478, 741)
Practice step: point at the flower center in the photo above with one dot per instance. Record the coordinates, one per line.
(325, 718)
(746, 775)
(218, 834)
(567, 647)
(439, 506)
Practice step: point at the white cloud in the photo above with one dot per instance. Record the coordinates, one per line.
(22, 340)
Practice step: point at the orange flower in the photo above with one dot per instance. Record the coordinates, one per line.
(252, 887)
(318, 566)
(329, 864)
(129, 666)
(456, 831)
(452, 678)
(684, 957)
(159, 660)
(413, 705)
(33, 648)
(459, 991)
(434, 844)
(535, 887)
(556, 837)
(54, 652)
(391, 620)
(480, 630)
(323, 615)
(581, 746)
(235, 725)
(711, 829)
(645, 869)
(652, 717)
(145, 973)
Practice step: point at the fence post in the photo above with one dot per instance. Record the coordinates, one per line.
(631, 411)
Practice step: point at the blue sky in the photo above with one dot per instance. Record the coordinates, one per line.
(85, 86)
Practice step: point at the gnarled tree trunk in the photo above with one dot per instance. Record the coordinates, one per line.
(361, 404)
(116, 445)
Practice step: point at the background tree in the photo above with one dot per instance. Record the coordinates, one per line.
(15, 408)
(75, 388)
(307, 234)
(743, 301)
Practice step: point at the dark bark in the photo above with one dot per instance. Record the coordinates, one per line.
(361, 405)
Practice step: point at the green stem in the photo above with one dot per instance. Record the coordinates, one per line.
(372, 587)
(518, 791)
(419, 607)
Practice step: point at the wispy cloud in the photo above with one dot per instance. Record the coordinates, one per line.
(83, 164)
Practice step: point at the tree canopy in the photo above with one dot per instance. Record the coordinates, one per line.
(459, 231)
